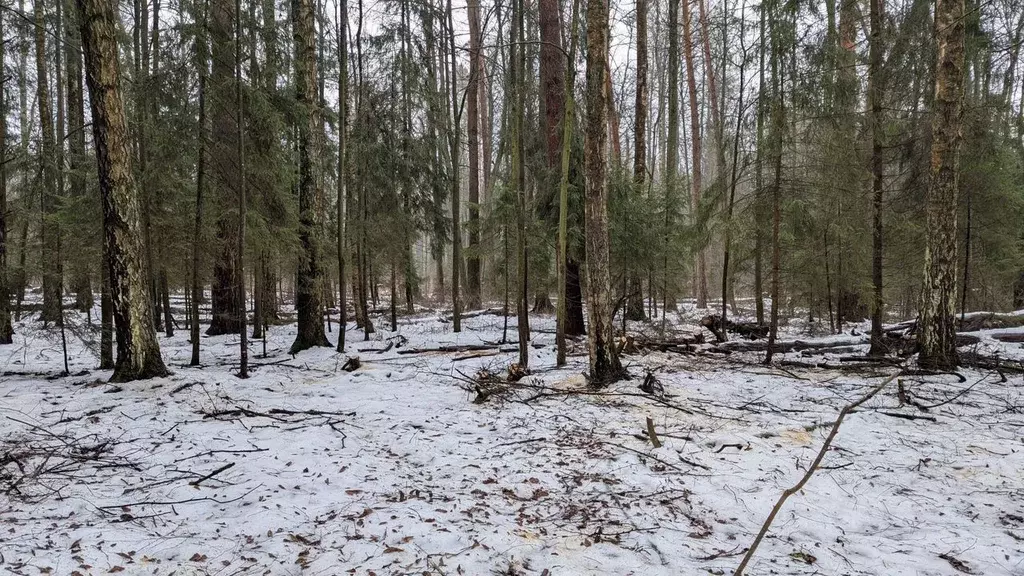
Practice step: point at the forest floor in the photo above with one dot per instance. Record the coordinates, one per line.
(393, 469)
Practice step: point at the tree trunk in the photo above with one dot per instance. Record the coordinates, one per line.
(875, 92)
(473, 141)
(6, 331)
(243, 342)
(225, 299)
(52, 309)
(700, 279)
(138, 353)
(563, 193)
(671, 152)
(518, 84)
(937, 330)
(634, 309)
(604, 362)
(342, 38)
(308, 297)
(454, 133)
(197, 233)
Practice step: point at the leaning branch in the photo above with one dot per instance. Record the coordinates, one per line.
(810, 471)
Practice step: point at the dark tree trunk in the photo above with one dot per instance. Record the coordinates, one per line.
(308, 297)
(473, 141)
(634, 290)
(875, 91)
(138, 353)
(225, 299)
(574, 321)
(6, 331)
(52, 311)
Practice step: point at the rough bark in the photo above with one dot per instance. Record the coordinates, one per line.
(454, 134)
(197, 232)
(700, 278)
(634, 292)
(604, 362)
(473, 141)
(877, 174)
(138, 353)
(48, 157)
(342, 179)
(937, 328)
(671, 149)
(518, 84)
(6, 331)
(308, 296)
(225, 300)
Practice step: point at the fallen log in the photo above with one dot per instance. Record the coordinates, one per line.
(785, 346)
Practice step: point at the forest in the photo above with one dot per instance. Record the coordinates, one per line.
(512, 287)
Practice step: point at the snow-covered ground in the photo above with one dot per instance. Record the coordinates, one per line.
(393, 469)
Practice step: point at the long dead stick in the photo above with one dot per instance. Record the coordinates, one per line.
(810, 471)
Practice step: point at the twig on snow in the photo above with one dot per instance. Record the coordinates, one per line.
(810, 471)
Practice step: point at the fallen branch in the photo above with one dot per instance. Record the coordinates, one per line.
(200, 480)
(810, 471)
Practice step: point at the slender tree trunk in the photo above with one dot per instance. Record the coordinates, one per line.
(563, 192)
(342, 37)
(604, 362)
(937, 332)
(700, 280)
(671, 153)
(726, 279)
(634, 291)
(875, 91)
(243, 335)
(138, 353)
(473, 141)
(778, 125)
(518, 57)
(308, 298)
(197, 233)
(48, 156)
(6, 331)
(454, 133)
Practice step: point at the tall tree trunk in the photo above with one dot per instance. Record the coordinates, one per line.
(778, 125)
(6, 331)
(454, 133)
(81, 283)
(937, 331)
(225, 301)
(700, 279)
(634, 292)
(243, 347)
(726, 278)
(308, 297)
(197, 233)
(563, 192)
(875, 91)
(671, 151)
(518, 84)
(342, 38)
(759, 182)
(138, 353)
(604, 362)
(473, 141)
(48, 157)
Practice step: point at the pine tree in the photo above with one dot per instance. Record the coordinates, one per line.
(309, 297)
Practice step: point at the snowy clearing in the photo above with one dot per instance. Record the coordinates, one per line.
(393, 469)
